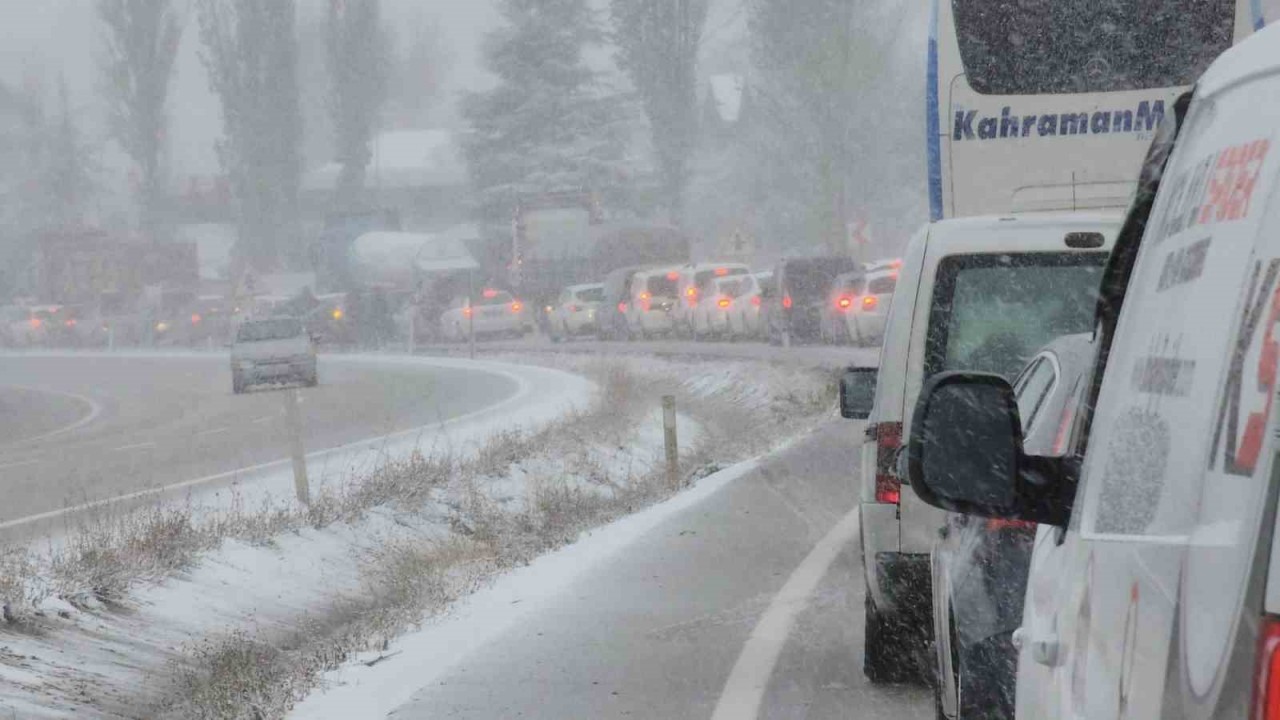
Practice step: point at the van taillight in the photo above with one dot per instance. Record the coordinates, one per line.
(888, 441)
(1266, 683)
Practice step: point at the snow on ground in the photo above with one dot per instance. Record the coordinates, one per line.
(114, 658)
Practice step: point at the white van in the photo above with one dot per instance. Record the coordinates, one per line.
(1154, 589)
(975, 294)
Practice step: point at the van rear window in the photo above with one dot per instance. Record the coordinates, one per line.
(992, 313)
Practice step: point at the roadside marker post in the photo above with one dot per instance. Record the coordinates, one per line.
(669, 435)
(293, 418)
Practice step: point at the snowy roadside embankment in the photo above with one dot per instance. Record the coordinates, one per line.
(240, 608)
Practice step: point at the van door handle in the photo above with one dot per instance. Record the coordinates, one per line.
(1045, 650)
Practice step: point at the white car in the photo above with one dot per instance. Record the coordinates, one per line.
(744, 314)
(574, 312)
(1154, 589)
(495, 312)
(695, 283)
(859, 306)
(728, 296)
(272, 350)
(654, 297)
(976, 294)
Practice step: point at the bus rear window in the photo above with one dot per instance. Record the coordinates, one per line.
(1014, 47)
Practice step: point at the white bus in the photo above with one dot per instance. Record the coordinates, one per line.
(1039, 105)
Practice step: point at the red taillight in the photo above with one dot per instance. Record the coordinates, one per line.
(490, 293)
(673, 276)
(999, 524)
(1266, 684)
(721, 272)
(755, 300)
(786, 301)
(888, 441)
(70, 323)
(466, 312)
(644, 300)
(724, 302)
(195, 318)
(844, 303)
(622, 307)
(870, 302)
(574, 309)
(36, 323)
(517, 306)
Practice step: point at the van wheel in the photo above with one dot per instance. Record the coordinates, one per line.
(885, 659)
(237, 384)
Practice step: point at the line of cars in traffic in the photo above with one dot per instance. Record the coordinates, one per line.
(1070, 479)
(826, 299)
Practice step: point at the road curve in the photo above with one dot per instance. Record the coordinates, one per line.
(79, 429)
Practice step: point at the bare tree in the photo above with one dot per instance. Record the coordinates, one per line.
(250, 53)
(658, 47)
(141, 39)
(358, 77)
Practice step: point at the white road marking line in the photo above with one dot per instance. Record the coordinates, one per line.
(20, 463)
(94, 410)
(215, 431)
(138, 446)
(745, 688)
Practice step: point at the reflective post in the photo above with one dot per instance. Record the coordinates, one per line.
(293, 419)
(669, 437)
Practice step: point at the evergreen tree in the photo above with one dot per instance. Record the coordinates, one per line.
(550, 124)
(358, 81)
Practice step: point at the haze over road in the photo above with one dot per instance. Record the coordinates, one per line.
(84, 428)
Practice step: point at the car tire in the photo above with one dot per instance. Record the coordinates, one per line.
(885, 657)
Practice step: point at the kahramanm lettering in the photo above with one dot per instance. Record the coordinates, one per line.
(1009, 126)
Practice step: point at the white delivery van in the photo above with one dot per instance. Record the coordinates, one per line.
(1154, 589)
(974, 294)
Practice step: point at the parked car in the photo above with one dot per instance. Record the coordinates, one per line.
(974, 294)
(728, 295)
(495, 313)
(654, 295)
(695, 283)
(25, 326)
(612, 316)
(272, 350)
(574, 312)
(1153, 589)
(76, 326)
(980, 565)
(802, 288)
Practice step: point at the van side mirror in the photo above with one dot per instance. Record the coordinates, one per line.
(857, 393)
(965, 453)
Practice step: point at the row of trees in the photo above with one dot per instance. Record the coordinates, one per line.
(250, 53)
(799, 167)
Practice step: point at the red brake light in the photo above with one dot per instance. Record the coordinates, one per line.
(195, 318)
(574, 308)
(755, 300)
(844, 303)
(70, 322)
(466, 311)
(36, 323)
(888, 440)
(645, 296)
(724, 302)
(490, 293)
(870, 302)
(1266, 684)
(622, 307)
(517, 306)
(673, 275)
(721, 272)
(786, 301)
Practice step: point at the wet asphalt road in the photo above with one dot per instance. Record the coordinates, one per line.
(80, 429)
(655, 632)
